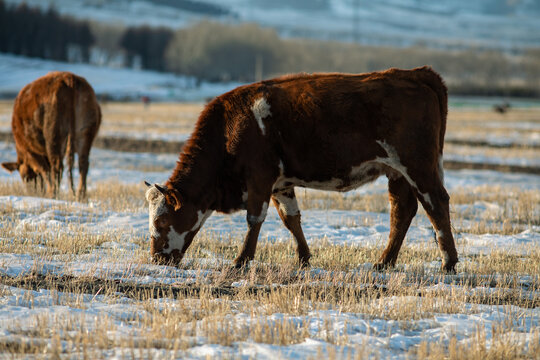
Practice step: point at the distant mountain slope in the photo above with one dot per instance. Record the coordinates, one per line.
(501, 24)
(114, 83)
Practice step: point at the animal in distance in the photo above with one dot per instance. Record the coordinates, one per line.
(331, 131)
(54, 115)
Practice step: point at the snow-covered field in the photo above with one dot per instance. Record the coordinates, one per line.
(449, 314)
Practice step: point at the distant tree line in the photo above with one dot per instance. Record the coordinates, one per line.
(31, 32)
(148, 44)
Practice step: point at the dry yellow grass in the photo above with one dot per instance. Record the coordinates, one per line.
(477, 123)
(135, 120)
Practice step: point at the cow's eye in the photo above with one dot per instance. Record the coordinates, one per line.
(161, 222)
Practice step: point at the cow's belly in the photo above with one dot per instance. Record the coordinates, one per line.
(357, 176)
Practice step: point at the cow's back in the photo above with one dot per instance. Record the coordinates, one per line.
(42, 105)
(333, 121)
(46, 109)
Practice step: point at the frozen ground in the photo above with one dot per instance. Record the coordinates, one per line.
(113, 260)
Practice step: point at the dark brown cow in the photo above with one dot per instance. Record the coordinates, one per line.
(322, 131)
(56, 113)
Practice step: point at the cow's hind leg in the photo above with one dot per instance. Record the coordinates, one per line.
(83, 172)
(403, 207)
(287, 207)
(56, 168)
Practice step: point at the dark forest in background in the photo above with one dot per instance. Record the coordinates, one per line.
(246, 52)
(30, 32)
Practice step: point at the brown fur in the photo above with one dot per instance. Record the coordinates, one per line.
(321, 127)
(54, 114)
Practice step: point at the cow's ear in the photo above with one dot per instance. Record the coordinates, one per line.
(10, 166)
(175, 198)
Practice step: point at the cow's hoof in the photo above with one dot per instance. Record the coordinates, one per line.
(449, 267)
(450, 270)
(241, 265)
(381, 266)
(304, 263)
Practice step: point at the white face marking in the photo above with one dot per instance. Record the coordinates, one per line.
(157, 207)
(261, 109)
(287, 206)
(176, 240)
(393, 161)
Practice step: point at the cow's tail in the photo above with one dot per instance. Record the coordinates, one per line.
(70, 161)
(436, 83)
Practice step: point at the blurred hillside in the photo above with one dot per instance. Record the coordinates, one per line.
(487, 47)
(493, 24)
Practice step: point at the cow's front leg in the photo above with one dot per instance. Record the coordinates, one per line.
(287, 207)
(256, 213)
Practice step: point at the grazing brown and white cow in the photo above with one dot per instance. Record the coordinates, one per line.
(56, 113)
(321, 131)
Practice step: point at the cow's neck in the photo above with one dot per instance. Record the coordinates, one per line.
(197, 171)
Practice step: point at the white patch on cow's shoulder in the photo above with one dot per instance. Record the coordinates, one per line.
(394, 162)
(157, 207)
(176, 240)
(261, 109)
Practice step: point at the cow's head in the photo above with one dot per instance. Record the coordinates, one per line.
(172, 222)
(26, 172)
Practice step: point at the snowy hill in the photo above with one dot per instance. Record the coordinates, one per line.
(17, 71)
(498, 24)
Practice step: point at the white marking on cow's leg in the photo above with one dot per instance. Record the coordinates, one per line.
(441, 169)
(176, 240)
(393, 161)
(439, 233)
(427, 199)
(261, 109)
(157, 207)
(254, 219)
(287, 206)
